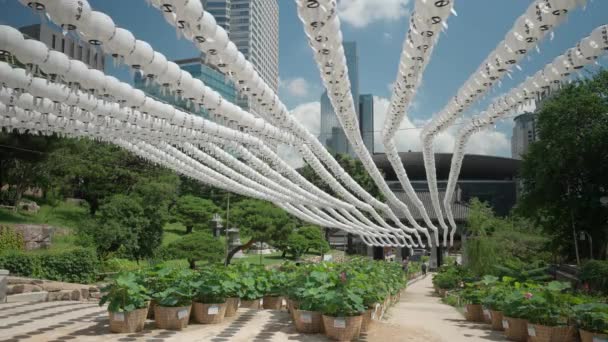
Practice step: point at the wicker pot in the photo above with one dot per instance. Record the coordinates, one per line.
(307, 322)
(173, 318)
(486, 315)
(128, 322)
(209, 313)
(272, 302)
(496, 317)
(516, 329)
(151, 309)
(232, 306)
(342, 328)
(587, 336)
(250, 304)
(442, 293)
(367, 319)
(543, 333)
(473, 312)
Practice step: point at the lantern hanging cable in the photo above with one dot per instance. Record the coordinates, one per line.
(322, 28)
(200, 27)
(542, 82)
(123, 42)
(539, 19)
(426, 22)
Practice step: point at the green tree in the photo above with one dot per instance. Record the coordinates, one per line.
(303, 240)
(261, 221)
(192, 211)
(199, 246)
(564, 173)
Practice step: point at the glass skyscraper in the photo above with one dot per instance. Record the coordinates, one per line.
(332, 134)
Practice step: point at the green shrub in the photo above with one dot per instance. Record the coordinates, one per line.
(595, 273)
(78, 265)
(10, 239)
(592, 317)
(119, 265)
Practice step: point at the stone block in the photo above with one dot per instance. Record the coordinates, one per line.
(93, 289)
(28, 297)
(3, 285)
(84, 294)
(95, 295)
(75, 295)
(25, 288)
(52, 288)
(65, 295)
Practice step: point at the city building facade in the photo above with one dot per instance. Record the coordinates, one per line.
(524, 133)
(90, 55)
(366, 120)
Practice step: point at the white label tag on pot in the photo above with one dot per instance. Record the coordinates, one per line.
(487, 313)
(505, 324)
(181, 314)
(466, 310)
(531, 331)
(119, 316)
(599, 339)
(238, 305)
(340, 323)
(213, 310)
(306, 317)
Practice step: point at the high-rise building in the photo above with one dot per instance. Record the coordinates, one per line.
(220, 10)
(92, 56)
(332, 134)
(524, 133)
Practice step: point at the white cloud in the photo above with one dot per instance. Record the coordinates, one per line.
(360, 13)
(309, 115)
(488, 142)
(297, 87)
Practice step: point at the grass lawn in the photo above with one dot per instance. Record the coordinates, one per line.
(65, 215)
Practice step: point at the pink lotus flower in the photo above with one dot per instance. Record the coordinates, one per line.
(528, 295)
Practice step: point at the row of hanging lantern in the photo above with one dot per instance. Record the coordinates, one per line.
(534, 87)
(200, 27)
(322, 27)
(541, 17)
(426, 23)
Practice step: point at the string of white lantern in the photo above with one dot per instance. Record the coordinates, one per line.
(200, 27)
(539, 19)
(426, 22)
(549, 77)
(322, 27)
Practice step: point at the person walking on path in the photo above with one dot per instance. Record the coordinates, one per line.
(423, 267)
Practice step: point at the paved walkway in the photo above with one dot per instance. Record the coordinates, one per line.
(418, 317)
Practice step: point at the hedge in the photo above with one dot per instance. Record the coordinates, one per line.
(77, 265)
(595, 273)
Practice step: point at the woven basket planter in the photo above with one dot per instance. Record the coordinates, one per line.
(292, 305)
(543, 333)
(232, 306)
(172, 318)
(587, 336)
(486, 315)
(250, 304)
(473, 312)
(516, 329)
(367, 320)
(209, 313)
(496, 320)
(342, 328)
(442, 293)
(151, 309)
(308, 322)
(272, 302)
(128, 322)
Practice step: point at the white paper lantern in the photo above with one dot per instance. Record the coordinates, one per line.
(99, 28)
(204, 28)
(31, 52)
(10, 39)
(121, 44)
(588, 48)
(157, 67)
(141, 56)
(171, 75)
(69, 14)
(600, 37)
(76, 71)
(38, 6)
(94, 80)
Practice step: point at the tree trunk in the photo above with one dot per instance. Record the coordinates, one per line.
(192, 263)
(236, 249)
(189, 229)
(284, 253)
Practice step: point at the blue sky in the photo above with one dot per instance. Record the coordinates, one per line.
(379, 27)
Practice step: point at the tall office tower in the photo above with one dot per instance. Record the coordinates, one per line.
(220, 10)
(54, 39)
(524, 133)
(332, 134)
(366, 120)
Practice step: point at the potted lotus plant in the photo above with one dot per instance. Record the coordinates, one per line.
(472, 296)
(127, 302)
(307, 291)
(493, 303)
(174, 303)
(209, 304)
(592, 321)
(342, 306)
(231, 286)
(275, 282)
(546, 312)
(514, 320)
(251, 286)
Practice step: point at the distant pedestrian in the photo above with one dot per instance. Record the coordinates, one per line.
(405, 264)
(423, 267)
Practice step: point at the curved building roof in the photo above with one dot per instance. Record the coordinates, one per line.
(474, 167)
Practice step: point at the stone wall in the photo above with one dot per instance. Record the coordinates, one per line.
(27, 289)
(35, 235)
